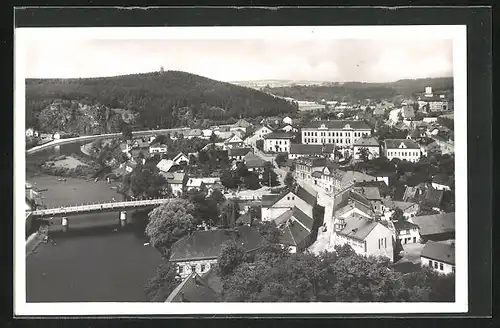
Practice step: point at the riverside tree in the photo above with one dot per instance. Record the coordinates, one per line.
(168, 223)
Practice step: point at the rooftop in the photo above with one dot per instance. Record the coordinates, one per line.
(207, 244)
(254, 161)
(400, 144)
(435, 224)
(239, 151)
(338, 125)
(439, 251)
(357, 226)
(367, 142)
(278, 135)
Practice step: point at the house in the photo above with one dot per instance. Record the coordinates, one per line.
(409, 209)
(207, 133)
(354, 205)
(305, 166)
(436, 227)
(278, 142)
(198, 252)
(439, 256)
(379, 111)
(193, 288)
(165, 165)
(46, 137)
(298, 230)
(366, 236)
(371, 145)
(350, 178)
(372, 194)
(194, 184)
(193, 133)
(57, 136)
(331, 177)
(255, 163)
(238, 154)
(181, 159)
(243, 123)
(30, 133)
(341, 133)
(305, 150)
(287, 120)
(434, 103)
(404, 149)
(158, 148)
(233, 142)
(408, 113)
(406, 232)
(302, 198)
(261, 131)
(441, 182)
(177, 181)
(288, 129)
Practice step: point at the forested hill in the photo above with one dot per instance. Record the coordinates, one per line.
(357, 91)
(166, 99)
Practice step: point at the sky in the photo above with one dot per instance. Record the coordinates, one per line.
(341, 60)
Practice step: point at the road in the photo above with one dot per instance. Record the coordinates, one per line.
(98, 136)
(326, 239)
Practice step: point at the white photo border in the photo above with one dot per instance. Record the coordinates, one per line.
(457, 33)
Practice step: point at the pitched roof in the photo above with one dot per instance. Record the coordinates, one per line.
(304, 149)
(441, 179)
(307, 195)
(194, 182)
(357, 197)
(343, 210)
(403, 225)
(239, 151)
(173, 177)
(392, 204)
(367, 142)
(192, 289)
(408, 112)
(297, 226)
(338, 124)
(254, 161)
(351, 177)
(435, 224)
(396, 143)
(208, 244)
(370, 193)
(433, 197)
(357, 226)
(192, 133)
(439, 251)
(165, 165)
(278, 135)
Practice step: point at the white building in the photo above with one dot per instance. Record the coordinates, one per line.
(165, 165)
(404, 149)
(30, 132)
(365, 236)
(372, 146)
(406, 232)
(262, 131)
(288, 120)
(158, 148)
(441, 182)
(300, 198)
(340, 133)
(439, 256)
(278, 142)
(288, 128)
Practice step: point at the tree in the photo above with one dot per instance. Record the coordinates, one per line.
(162, 284)
(168, 223)
(213, 138)
(269, 177)
(398, 215)
(251, 181)
(232, 255)
(144, 182)
(364, 154)
(280, 158)
(230, 212)
(259, 144)
(270, 233)
(289, 180)
(205, 209)
(127, 132)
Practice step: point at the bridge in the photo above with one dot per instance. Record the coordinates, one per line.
(97, 207)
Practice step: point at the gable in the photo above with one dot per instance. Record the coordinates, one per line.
(290, 200)
(402, 145)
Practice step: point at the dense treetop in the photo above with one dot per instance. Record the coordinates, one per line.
(166, 99)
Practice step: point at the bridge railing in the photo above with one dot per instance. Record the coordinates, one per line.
(96, 206)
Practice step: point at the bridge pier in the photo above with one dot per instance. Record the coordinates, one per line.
(65, 224)
(123, 218)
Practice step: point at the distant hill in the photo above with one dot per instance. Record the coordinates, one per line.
(357, 91)
(165, 99)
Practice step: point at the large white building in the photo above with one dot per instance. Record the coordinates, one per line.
(439, 256)
(278, 142)
(437, 103)
(404, 149)
(340, 133)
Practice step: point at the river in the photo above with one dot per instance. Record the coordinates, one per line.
(101, 264)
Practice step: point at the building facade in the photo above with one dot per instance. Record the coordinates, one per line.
(439, 256)
(371, 145)
(277, 142)
(340, 133)
(404, 149)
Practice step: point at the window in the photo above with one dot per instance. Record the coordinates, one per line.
(379, 244)
(430, 263)
(181, 269)
(385, 242)
(202, 268)
(441, 266)
(435, 265)
(365, 246)
(193, 268)
(288, 198)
